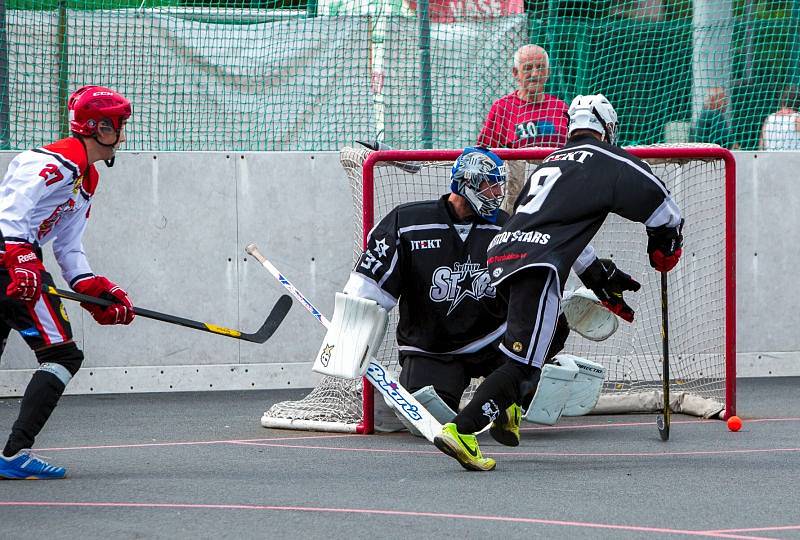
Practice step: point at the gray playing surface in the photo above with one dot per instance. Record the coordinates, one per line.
(201, 466)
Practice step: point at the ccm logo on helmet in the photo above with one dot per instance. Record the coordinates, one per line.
(101, 93)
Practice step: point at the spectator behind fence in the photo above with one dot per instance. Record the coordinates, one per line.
(712, 126)
(781, 129)
(525, 117)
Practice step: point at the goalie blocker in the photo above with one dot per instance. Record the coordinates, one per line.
(355, 333)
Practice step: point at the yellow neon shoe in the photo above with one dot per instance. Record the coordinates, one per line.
(505, 429)
(464, 448)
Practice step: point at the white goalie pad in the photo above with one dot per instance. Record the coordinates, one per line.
(586, 315)
(586, 388)
(429, 399)
(553, 392)
(356, 331)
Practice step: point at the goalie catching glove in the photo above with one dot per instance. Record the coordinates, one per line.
(664, 246)
(588, 316)
(609, 283)
(355, 333)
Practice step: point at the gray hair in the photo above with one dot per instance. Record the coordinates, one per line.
(531, 47)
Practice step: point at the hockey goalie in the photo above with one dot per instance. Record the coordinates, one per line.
(428, 258)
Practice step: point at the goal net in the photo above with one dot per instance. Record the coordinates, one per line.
(701, 288)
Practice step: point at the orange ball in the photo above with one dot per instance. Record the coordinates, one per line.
(734, 423)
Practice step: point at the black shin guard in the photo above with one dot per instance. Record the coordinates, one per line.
(58, 364)
(495, 394)
(41, 397)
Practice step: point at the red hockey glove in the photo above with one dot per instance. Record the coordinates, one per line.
(25, 270)
(609, 282)
(665, 246)
(119, 313)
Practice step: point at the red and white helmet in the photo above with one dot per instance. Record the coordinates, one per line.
(90, 104)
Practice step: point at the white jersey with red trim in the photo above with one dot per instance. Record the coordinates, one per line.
(46, 195)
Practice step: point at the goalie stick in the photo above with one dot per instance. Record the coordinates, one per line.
(384, 381)
(274, 319)
(662, 422)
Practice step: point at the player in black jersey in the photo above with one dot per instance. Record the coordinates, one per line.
(429, 258)
(563, 204)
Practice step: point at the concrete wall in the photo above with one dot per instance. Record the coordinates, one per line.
(171, 228)
(767, 262)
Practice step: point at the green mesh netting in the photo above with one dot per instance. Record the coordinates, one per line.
(273, 75)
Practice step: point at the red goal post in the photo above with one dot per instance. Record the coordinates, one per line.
(702, 287)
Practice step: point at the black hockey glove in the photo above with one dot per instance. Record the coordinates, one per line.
(664, 246)
(609, 282)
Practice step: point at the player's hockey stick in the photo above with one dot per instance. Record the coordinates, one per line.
(663, 419)
(274, 319)
(384, 381)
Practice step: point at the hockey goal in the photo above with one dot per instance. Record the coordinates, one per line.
(701, 287)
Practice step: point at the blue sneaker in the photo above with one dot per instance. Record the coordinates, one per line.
(26, 465)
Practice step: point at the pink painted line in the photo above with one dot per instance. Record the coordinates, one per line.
(649, 454)
(191, 443)
(525, 454)
(471, 517)
(758, 529)
(340, 449)
(697, 421)
(343, 435)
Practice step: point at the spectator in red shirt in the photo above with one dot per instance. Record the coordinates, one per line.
(525, 117)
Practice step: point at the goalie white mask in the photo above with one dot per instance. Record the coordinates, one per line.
(479, 175)
(595, 113)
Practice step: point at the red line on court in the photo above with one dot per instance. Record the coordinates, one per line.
(758, 529)
(528, 454)
(502, 519)
(191, 443)
(635, 424)
(341, 449)
(342, 435)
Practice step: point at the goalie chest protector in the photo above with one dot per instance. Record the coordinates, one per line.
(446, 301)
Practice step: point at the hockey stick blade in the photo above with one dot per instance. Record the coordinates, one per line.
(663, 427)
(273, 321)
(400, 399)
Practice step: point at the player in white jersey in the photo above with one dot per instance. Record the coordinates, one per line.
(46, 195)
(562, 206)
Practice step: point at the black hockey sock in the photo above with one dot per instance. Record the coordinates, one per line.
(40, 399)
(495, 394)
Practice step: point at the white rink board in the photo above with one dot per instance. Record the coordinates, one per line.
(171, 228)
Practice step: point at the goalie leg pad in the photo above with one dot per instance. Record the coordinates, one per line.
(553, 391)
(586, 388)
(429, 399)
(356, 332)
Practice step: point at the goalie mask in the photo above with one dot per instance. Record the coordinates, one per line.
(479, 176)
(595, 113)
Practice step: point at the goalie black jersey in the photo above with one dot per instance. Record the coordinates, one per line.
(416, 257)
(568, 197)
